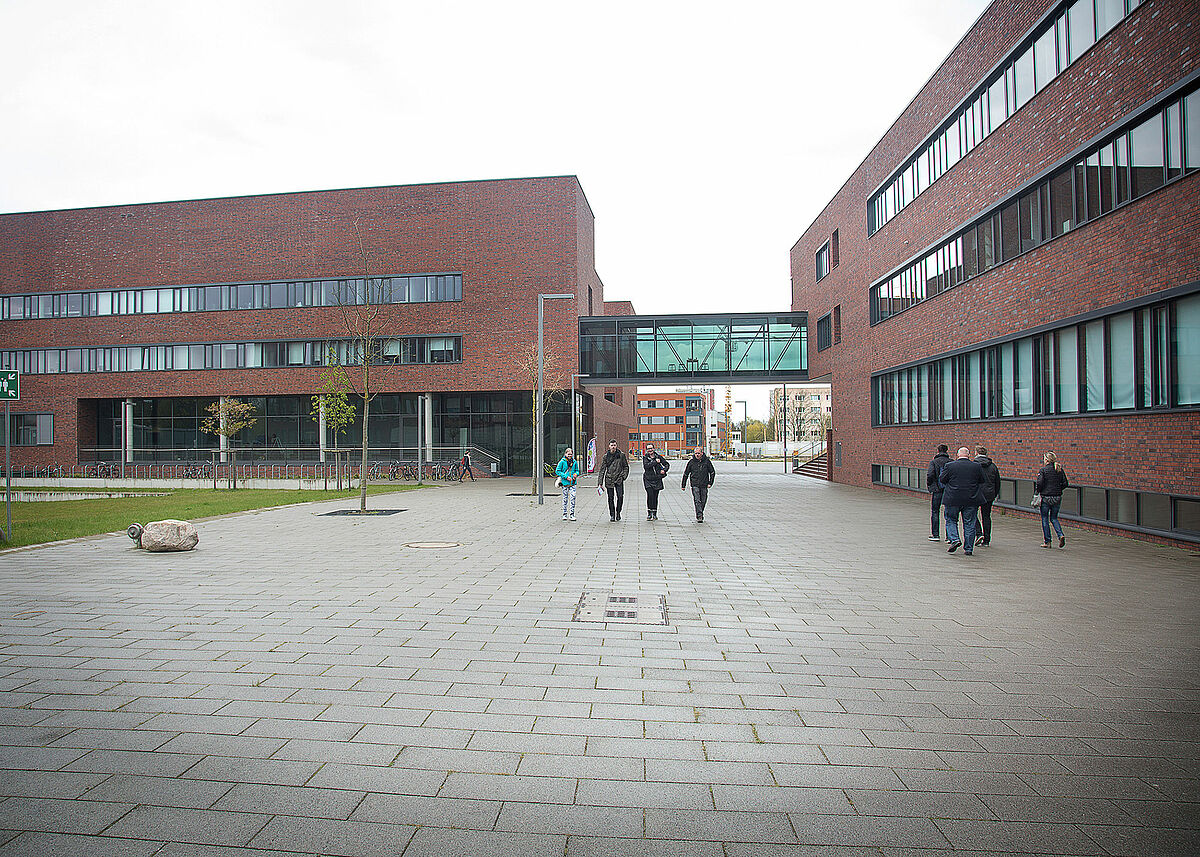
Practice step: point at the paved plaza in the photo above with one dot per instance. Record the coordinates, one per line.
(828, 682)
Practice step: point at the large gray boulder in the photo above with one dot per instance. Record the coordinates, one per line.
(169, 535)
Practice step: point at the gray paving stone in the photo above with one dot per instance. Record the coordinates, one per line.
(719, 825)
(428, 811)
(440, 842)
(510, 787)
(54, 815)
(158, 791)
(571, 820)
(596, 846)
(334, 837)
(74, 845)
(593, 792)
(290, 800)
(179, 824)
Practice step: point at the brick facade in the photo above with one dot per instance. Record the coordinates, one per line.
(510, 240)
(1145, 247)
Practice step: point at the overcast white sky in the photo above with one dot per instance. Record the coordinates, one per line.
(707, 136)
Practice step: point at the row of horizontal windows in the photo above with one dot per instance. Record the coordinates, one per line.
(661, 435)
(231, 355)
(30, 429)
(669, 421)
(1136, 509)
(1131, 163)
(661, 403)
(1136, 360)
(1036, 62)
(274, 295)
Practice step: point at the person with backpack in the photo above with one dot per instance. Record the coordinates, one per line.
(654, 468)
(465, 467)
(991, 490)
(567, 472)
(702, 473)
(614, 470)
(933, 483)
(1050, 483)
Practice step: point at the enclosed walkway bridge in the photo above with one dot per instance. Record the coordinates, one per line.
(709, 348)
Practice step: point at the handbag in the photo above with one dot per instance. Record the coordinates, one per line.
(1037, 500)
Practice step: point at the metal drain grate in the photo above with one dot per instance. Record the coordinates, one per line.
(624, 608)
(433, 545)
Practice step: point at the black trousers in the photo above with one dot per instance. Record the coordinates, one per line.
(652, 500)
(935, 504)
(985, 515)
(616, 497)
(700, 495)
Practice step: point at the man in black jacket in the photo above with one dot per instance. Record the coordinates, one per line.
(962, 481)
(991, 490)
(933, 482)
(614, 470)
(702, 473)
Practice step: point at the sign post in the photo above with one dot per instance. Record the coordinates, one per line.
(10, 391)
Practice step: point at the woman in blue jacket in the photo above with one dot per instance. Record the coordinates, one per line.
(568, 474)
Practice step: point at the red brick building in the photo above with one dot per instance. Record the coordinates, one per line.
(1016, 263)
(125, 321)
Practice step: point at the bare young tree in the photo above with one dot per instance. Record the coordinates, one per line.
(361, 308)
(555, 380)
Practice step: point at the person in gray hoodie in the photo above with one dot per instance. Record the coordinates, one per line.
(991, 490)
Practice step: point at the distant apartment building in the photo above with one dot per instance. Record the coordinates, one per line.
(808, 412)
(673, 422)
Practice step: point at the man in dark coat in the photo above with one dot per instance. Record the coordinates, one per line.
(933, 482)
(991, 490)
(614, 470)
(962, 493)
(702, 473)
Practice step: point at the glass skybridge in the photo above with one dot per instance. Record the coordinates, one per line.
(722, 348)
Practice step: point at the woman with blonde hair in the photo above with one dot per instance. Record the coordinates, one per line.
(1050, 482)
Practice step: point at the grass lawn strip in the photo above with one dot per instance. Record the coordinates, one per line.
(49, 521)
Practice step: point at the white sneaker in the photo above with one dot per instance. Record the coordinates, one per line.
(564, 517)
(572, 517)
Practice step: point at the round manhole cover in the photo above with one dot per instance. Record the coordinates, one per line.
(433, 545)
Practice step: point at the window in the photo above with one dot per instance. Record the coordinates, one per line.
(242, 296)
(1033, 64)
(1134, 160)
(1143, 358)
(31, 429)
(823, 260)
(833, 249)
(837, 324)
(824, 332)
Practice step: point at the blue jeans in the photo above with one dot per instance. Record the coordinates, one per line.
(1050, 516)
(968, 516)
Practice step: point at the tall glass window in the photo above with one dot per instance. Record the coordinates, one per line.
(1146, 142)
(1024, 376)
(1067, 364)
(1121, 360)
(1081, 24)
(1186, 348)
(1004, 379)
(1094, 377)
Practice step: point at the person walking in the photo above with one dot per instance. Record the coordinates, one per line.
(702, 473)
(614, 470)
(465, 469)
(568, 474)
(654, 468)
(991, 490)
(962, 494)
(933, 482)
(1050, 482)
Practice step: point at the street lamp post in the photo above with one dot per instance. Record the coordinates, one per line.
(574, 431)
(745, 426)
(540, 406)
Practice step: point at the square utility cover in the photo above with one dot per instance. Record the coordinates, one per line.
(630, 608)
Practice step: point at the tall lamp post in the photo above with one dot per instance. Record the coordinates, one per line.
(574, 431)
(540, 407)
(745, 426)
